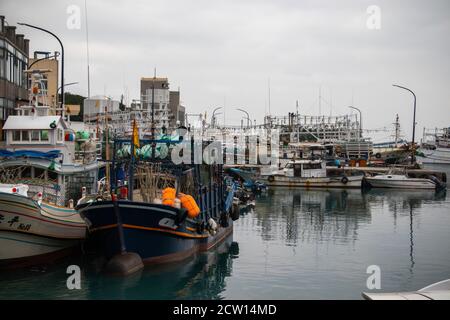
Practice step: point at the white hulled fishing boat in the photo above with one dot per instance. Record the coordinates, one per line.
(42, 174)
(435, 147)
(310, 174)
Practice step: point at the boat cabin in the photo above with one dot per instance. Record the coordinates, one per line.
(305, 169)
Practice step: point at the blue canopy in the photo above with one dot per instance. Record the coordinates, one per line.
(30, 154)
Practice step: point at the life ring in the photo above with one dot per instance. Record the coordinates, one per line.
(344, 180)
(53, 125)
(271, 178)
(378, 155)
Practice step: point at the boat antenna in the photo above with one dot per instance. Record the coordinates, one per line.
(87, 48)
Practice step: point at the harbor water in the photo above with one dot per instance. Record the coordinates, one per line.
(296, 244)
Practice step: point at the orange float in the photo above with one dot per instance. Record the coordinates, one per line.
(188, 202)
(168, 196)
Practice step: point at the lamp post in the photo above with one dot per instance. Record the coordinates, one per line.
(413, 157)
(56, 55)
(248, 116)
(213, 117)
(360, 120)
(62, 55)
(66, 85)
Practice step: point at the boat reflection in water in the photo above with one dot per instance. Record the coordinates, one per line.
(311, 215)
(295, 244)
(200, 277)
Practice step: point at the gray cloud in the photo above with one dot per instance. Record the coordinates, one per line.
(225, 51)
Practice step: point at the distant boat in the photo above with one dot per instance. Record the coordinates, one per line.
(435, 148)
(436, 291)
(310, 174)
(400, 181)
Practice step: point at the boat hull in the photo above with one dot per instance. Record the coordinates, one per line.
(437, 156)
(401, 184)
(24, 250)
(148, 230)
(30, 233)
(328, 182)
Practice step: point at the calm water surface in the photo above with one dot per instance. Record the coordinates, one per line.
(296, 244)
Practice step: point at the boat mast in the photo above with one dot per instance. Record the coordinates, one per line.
(397, 130)
(107, 173)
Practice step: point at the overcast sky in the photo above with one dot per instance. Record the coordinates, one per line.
(223, 53)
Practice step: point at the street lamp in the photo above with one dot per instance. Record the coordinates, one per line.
(414, 123)
(213, 117)
(56, 55)
(66, 85)
(248, 116)
(360, 120)
(62, 54)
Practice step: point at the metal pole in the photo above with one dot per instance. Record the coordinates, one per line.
(360, 120)
(49, 57)
(213, 117)
(62, 56)
(413, 156)
(248, 116)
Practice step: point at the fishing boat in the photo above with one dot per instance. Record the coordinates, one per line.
(41, 177)
(311, 174)
(164, 213)
(34, 232)
(435, 147)
(436, 291)
(402, 181)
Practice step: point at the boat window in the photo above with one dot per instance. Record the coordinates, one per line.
(39, 173)
(310, 166)
(25, 135)
(44, 135)
(52, 175)
(289, 166)
(16, 135)
(26, 172)
(34, 135)
(60, 135)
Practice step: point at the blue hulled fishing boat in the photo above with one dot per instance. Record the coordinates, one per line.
(159, 212)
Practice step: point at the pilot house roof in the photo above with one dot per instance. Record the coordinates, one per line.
(32, 122)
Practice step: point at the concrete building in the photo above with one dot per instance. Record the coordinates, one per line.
(47, 60)
(167, 109)
(155, 94)
(95, 107)
(176, 109)
(14, 50)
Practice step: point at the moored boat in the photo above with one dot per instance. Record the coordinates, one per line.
(33, 232)
(310, 174)
(435, 147)
(164, 214)
(41, 175)
(401, 181)
(436, 291)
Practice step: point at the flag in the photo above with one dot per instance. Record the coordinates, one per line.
(135, 136)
